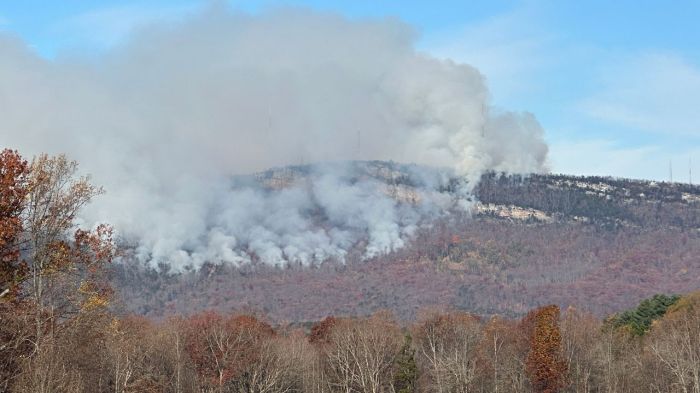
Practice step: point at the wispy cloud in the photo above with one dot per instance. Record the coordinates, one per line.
(653, 92)
(509, 49)
(607, 157)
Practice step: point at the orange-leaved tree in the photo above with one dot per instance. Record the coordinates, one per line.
(14, 331)
(545, 365)
(14, 173)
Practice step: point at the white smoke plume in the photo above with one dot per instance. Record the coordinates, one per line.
(165, 120)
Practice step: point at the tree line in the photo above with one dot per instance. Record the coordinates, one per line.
(61, 332)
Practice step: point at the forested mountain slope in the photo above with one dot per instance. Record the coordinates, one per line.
(599, 243)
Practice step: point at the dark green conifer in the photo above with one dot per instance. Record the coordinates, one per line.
(639, 319)
(406, 368)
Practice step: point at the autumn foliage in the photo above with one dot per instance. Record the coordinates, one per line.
(320, 331)
(545, 365)
(52, 273)
(14, 173)
(222, 347)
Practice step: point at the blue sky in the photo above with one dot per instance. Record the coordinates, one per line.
(616, 84)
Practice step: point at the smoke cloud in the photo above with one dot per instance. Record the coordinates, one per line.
(166, 120)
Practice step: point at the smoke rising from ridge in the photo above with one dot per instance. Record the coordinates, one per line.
(165, 120)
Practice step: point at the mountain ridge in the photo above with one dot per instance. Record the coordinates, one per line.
(527, 241)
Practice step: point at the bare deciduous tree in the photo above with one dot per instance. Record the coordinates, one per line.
(360, 354)
(675, 342)
(447, 346)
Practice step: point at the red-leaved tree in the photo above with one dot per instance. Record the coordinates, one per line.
(222, 347)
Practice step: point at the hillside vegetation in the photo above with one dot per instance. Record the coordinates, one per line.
(528, 241)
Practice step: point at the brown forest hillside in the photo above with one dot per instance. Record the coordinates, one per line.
(601, 242)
